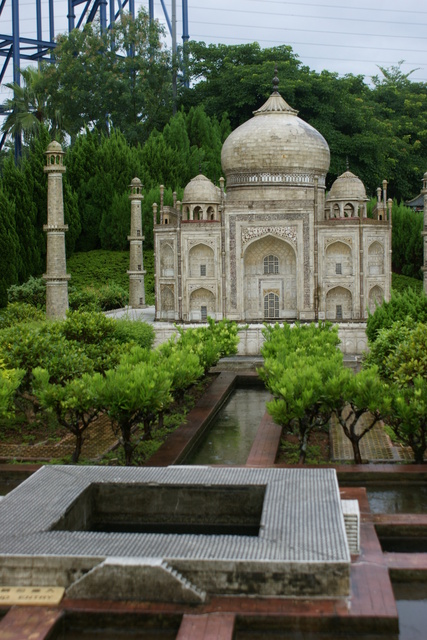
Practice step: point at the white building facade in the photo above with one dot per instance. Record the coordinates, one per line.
(272, 247)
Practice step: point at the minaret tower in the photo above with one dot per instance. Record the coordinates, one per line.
(424, 232)
(136, 271)
(56, 269)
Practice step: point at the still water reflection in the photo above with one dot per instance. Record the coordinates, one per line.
(411, 600)
(230, 438)
(397, 499)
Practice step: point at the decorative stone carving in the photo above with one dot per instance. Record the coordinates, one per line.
(209, 287)
(332, 239)
(290, 233)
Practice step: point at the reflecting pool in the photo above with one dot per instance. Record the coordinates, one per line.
(229, 440)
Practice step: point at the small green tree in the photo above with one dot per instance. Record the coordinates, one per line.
(405, 411)
(354, 398)
(299, 362)
(409, 303)
(72, 403)
(131, 395)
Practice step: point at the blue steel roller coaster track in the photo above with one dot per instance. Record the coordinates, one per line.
(14, 48)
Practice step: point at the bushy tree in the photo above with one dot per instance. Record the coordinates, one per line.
(132, 395)
(405, 411)
(401, 305)
(109, 87)
(10, 379)
(73, 403)
(407, 242)
(298, 362)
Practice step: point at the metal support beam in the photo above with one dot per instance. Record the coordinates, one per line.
(185, 38)
(15, 48)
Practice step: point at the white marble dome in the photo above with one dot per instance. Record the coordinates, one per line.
(200, 190)
(347, 187)
(277, 142)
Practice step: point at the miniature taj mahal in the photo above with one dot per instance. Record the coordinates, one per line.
(267, 243)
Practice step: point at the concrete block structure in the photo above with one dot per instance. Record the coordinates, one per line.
(177, 534)
(136, 267)
(56, 276)
(272, 246)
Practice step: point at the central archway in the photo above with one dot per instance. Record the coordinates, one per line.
(269, 269)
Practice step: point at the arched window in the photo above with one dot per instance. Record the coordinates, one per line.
(197, 213)
(271, 306)
(271, 264)
(348, 210)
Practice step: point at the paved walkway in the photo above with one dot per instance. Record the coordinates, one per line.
(98, 439)
(375, 446)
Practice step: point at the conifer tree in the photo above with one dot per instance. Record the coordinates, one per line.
(9, 247)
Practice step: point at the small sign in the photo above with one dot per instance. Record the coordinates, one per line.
(31, 595)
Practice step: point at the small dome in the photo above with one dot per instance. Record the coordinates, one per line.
(347, 187)
(54, 147)
(275, 140)
(200, 190)
(135, 182)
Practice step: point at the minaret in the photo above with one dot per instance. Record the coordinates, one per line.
(424, 232)
(136, 271)
(56, 269)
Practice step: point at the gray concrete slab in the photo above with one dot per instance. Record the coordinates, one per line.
(300, 548)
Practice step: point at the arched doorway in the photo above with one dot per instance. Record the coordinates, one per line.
(269, 270)
(338, 304)
(202, 305)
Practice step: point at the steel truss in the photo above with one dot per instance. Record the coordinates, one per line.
(15, 48)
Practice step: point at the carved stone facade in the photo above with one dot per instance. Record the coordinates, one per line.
(272, 247)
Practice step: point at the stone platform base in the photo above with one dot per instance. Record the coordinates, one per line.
(352, 335)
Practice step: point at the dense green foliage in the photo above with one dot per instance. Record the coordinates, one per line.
(399, 353)
(305, 373)
(409, 303)
(407, 242)
(121, 125)
(400, 283)
(89, 364)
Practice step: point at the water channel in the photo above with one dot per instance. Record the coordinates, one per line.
(229, 440)
(399, 498)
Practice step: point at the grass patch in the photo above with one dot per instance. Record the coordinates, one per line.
(93, 270)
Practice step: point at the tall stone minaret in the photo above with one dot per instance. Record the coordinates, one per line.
(424, 232)
(136, 271)
(56, 269)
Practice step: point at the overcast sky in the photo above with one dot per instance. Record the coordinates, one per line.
(331, 34)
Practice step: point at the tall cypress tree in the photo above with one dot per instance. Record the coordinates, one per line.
(9, 247)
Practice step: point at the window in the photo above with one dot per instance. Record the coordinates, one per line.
(202, 269)
(138, 232)
(271, 305)
(338, 268)
(271, 264)
(139, 267)
(339, 312)
(204, 312)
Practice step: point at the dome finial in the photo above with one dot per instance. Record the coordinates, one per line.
(275, 80)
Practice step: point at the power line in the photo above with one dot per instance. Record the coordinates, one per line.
(317, 44)
(336, 6)
(336, 33)
(305, 16)
(308, 57)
